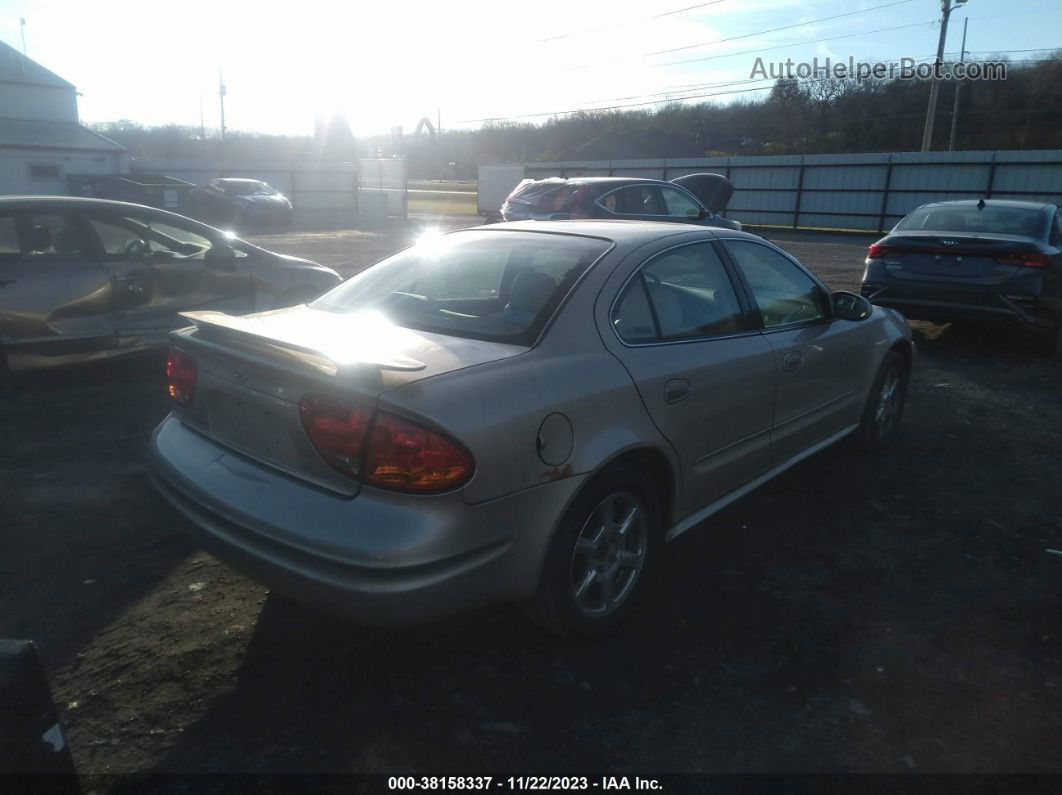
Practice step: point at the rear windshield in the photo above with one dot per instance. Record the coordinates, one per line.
(967, 218)
(496, 286)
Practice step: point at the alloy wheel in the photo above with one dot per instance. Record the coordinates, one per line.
(609, 554)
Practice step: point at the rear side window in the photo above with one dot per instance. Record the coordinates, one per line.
(550, 197)
(679, 205)
(51, 236)
(684, 293)
(635, 200)
(495, 286)
(960, 218)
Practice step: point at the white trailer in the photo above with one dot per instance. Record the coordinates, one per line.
(495, 185)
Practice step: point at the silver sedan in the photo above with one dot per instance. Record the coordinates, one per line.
(521, 412)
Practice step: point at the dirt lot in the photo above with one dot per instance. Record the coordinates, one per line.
(875, 614)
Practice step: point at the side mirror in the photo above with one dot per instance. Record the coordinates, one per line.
(849, 306)
(220, 256)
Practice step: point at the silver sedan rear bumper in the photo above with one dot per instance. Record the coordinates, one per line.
(380, 557)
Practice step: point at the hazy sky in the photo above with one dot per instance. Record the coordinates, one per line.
(390, 62)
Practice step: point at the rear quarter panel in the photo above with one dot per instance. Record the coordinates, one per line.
(496, 409)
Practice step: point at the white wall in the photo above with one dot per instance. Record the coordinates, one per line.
(39, 103)
(15, 169)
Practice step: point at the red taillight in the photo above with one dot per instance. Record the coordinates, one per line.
(336, 430)
(404, 456)
(1027, 259)
(878, 251)
(180, 377)
(397, 454)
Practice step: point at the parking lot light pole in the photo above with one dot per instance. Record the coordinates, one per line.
(946, 8)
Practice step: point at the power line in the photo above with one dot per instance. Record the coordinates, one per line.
(630, 22)
(699, 96)
(796, 44)
(776, 30)
(741, 36)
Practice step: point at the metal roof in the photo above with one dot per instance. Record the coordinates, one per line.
(32, 134)
(17, 68)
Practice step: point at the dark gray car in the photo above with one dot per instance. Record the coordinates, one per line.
(692, 199)
(84, 279)
(987, 260)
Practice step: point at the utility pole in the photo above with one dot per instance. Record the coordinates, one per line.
(958, 91)
(934, 88)
(22, 28)
(221, 96)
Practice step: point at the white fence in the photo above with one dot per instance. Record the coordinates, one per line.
(323, 193)
(868, 192)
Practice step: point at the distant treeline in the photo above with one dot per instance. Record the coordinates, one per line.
(795, 117)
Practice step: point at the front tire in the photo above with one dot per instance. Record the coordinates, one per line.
(885, 404)
(597, 564)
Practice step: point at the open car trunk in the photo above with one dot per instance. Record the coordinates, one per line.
(713, 190)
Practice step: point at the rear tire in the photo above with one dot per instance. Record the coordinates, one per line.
(596, 569)
(885, 404)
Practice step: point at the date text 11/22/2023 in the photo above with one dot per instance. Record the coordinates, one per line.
(519, 783)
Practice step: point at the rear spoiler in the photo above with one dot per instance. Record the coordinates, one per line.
(218, 324)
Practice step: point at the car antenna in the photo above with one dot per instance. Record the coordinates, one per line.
(980, 204)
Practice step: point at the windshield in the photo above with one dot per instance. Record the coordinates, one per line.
(497, 286)
(960, 218)
(247, 189)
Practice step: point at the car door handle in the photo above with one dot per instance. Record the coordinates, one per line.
(792, 361)
(676, 390)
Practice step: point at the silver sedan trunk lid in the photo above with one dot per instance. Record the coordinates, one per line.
(254, 370)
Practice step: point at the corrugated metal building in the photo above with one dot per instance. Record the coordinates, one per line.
(41, 140)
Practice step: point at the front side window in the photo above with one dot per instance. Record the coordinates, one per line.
(783, 293)
(495, 286)
(684, 293)
(679, 205)
(132, 236)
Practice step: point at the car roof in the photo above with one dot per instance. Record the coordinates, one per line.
(236, 179)
(993, 203)
(613, 182)
(618, 231)
(11, 202)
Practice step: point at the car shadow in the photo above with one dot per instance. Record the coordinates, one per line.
(764, 645)
(871, 613)
(85, 534)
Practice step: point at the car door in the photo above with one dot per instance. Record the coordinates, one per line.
(55, 297)
(705, 375)
(159, 268)
(820, 361)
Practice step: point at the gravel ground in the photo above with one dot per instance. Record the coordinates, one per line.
(874, 614)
